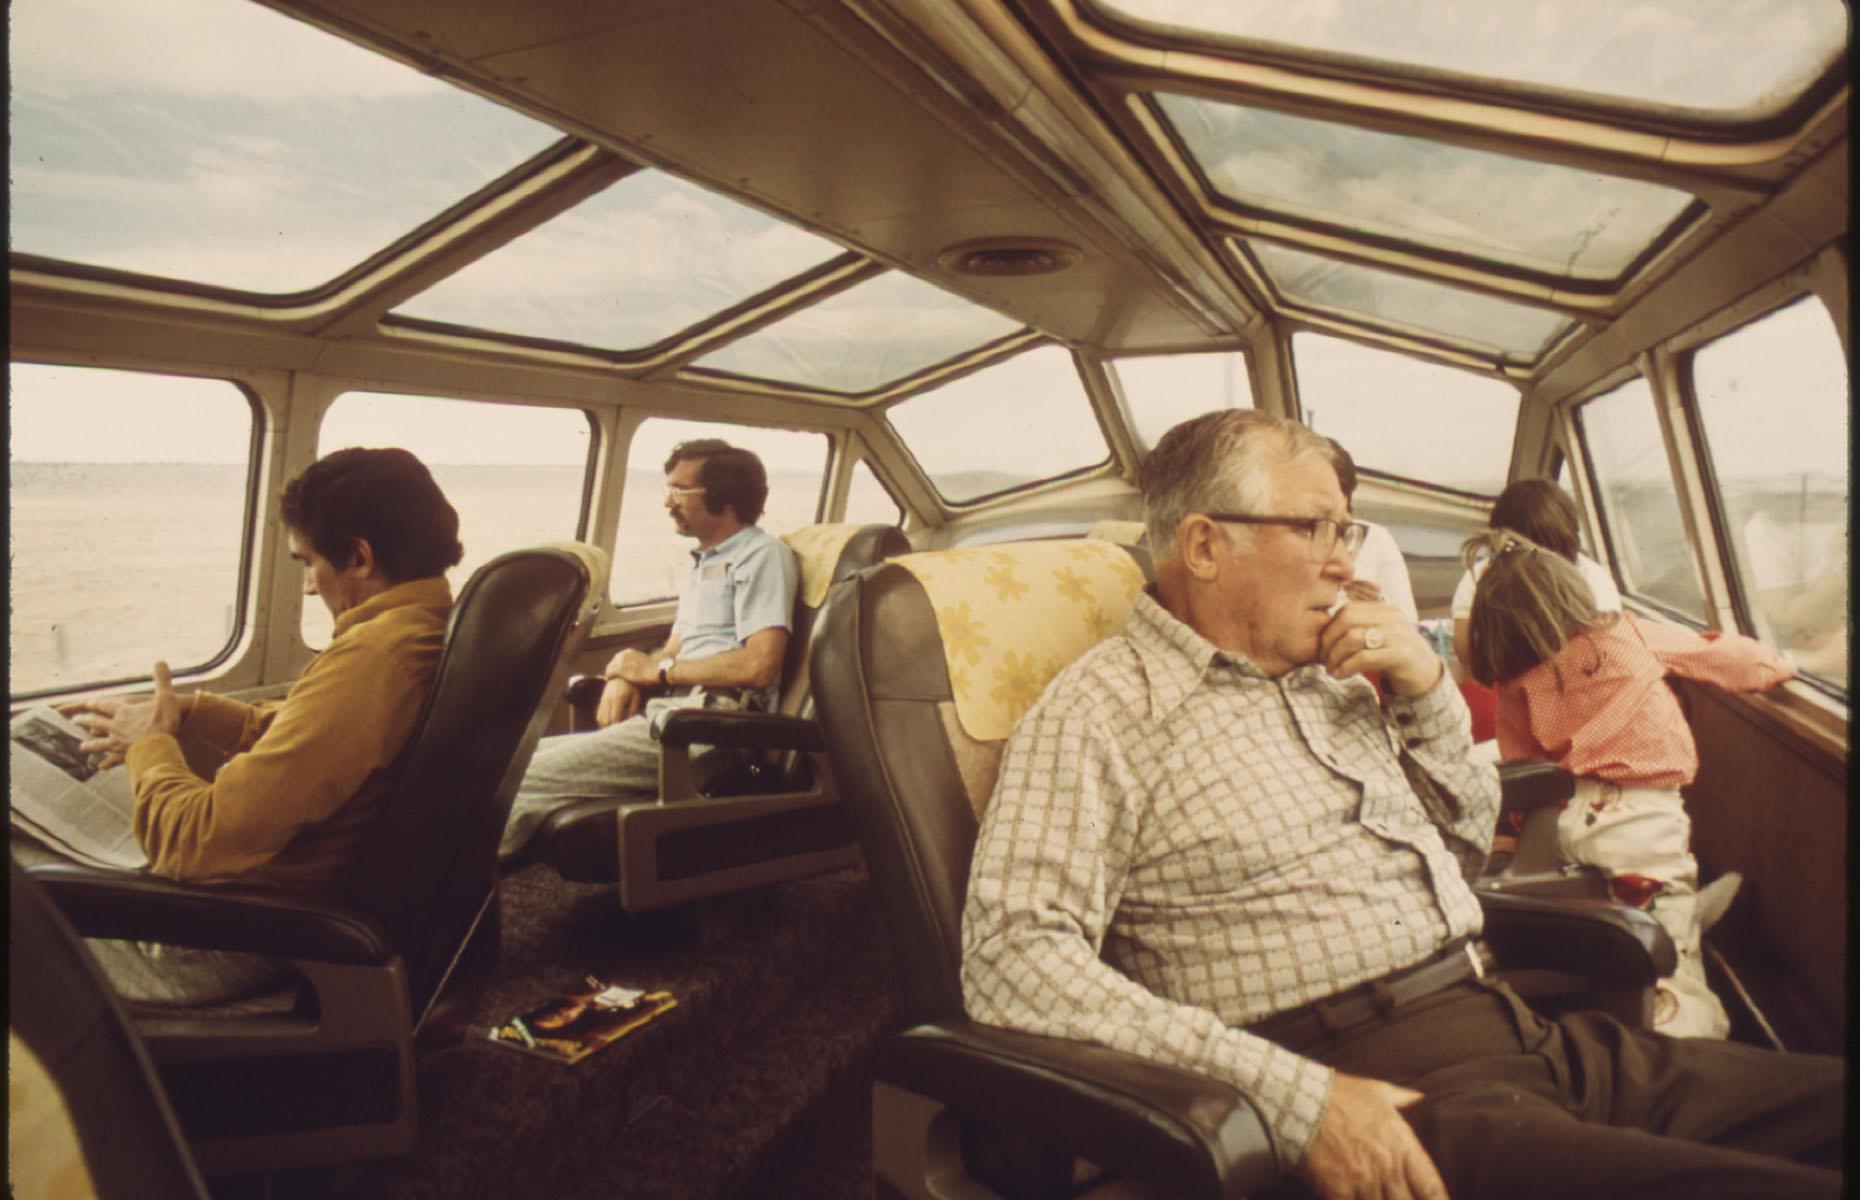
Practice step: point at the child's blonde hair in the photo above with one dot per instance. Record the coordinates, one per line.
(1530, 604)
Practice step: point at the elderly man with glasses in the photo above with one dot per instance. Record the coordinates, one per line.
(728, 640)
(1210, 844)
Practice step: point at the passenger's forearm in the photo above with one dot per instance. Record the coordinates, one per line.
(743, 667)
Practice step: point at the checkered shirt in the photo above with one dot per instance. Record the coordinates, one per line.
(1179, 846)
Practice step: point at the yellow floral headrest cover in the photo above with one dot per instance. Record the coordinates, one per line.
(1124, 533)
(1011, 617)
(818, 549)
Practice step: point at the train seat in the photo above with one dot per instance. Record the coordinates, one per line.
(1130, 534)
(86, 1115)
(921, 667)
(331, 1079)
(785, 823)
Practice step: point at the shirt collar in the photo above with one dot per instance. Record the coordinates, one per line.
(1177, 660)
(430, 592)
(736, 541)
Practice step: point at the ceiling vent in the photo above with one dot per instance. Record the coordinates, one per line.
(1009, 256)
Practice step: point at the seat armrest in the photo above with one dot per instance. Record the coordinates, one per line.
(1527, 783)
(584, 691)
(1184, 1132)
(742, 730)
(142, 907)
(1601, 940)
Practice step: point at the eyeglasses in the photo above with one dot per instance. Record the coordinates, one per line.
(675, 491)
(1323, 531)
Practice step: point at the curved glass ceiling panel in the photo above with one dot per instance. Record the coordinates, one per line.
(218, 142)
(1012, 424)
(1389, 298)
(1557, 220)
(863, 338)
(1708, 58)
(643, 259)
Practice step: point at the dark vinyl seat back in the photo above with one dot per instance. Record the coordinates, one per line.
(914, 781)
(61, 1007)
(867, 546)
(427, 870)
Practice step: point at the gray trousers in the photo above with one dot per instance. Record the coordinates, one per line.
(621, 760)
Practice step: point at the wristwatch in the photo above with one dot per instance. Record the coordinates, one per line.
(665, 671)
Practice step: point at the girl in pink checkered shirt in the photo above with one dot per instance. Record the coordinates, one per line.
(1587, 690)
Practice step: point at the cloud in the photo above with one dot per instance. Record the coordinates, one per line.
(221, 50)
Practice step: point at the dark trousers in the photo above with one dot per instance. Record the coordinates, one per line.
(1519, 1107)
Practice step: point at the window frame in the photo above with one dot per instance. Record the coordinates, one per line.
(1604, 525)
(1136, 34)
(623, 618)
(865, 460)
(1289, 353)
(243, 606)
(1737, 598)
(1107, 463)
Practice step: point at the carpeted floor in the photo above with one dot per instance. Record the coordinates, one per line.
(754, 1086)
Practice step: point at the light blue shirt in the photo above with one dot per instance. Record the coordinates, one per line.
(743, 584)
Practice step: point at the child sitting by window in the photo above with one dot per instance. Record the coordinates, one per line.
(1587, 690)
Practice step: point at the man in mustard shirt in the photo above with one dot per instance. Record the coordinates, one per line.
(303, 778)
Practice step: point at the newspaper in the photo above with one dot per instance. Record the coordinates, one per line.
(60, 798)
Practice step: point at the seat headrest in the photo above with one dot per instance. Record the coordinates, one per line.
(598, 564)
(821, 552)
(1010, 617)
(1124, 533)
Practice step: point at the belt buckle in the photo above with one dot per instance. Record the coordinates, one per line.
(1473, 957)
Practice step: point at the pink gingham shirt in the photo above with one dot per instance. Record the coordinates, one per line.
(1612, 717)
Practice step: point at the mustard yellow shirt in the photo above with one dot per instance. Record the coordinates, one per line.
(308, 773)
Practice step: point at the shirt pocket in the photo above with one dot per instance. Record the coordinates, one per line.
(716, 597)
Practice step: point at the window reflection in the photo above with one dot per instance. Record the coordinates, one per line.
(1499, 327)
(651, 558)
(1558, 220)
(1646, 533)
(218, 142)
(1163, 390)
(1429, 423)
(128, 517)
(1655, 53)
(642, 260)
(1773, 406)
(864, 338)
(515, 473)
(1009, 425)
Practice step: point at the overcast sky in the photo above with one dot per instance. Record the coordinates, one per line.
(217, 141)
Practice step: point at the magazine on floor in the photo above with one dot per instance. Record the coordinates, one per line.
(569, 1028)
(60, 798)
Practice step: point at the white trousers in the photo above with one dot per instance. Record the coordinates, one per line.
(1641, 838)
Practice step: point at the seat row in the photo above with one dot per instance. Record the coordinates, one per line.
(920, 665)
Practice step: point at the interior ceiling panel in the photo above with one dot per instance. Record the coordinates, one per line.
(722, 91)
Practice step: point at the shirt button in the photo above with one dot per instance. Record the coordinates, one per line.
(1414, 743)
(1404, 718)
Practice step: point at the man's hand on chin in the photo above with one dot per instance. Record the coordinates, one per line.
(1362, 637)
(1363, 1147)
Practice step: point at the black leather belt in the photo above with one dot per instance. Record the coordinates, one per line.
(1311, 1023)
